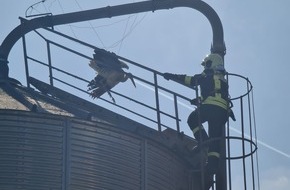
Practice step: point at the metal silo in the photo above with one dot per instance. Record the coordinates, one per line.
(49, 146)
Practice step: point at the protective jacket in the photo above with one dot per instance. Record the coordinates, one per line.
(213, 86)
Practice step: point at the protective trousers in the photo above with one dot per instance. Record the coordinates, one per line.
(216, 118)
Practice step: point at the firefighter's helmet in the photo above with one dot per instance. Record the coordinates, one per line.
(213, 61)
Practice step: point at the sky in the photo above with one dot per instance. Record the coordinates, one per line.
(256, 35)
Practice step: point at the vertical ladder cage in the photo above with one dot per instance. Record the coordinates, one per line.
(241, 137)
(239, 158)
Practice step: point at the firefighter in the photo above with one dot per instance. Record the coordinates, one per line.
(212, 106)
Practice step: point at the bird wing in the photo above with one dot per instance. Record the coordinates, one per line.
(108, 59)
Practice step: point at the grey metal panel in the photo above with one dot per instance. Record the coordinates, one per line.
(41, 151)
(104, 158)
(30, 153)
(162, 171)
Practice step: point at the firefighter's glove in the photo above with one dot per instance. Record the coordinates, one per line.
(169, 76)
(232, 115)
(195, 101)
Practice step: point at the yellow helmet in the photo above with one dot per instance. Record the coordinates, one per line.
(213, 61)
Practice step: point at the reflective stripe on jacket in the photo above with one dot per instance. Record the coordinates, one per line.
(214, 87)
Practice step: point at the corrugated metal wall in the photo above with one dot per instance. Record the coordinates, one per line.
(31, 152)
(101, 158)
(41, 151)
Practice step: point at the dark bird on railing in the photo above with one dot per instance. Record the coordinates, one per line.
(109, 71)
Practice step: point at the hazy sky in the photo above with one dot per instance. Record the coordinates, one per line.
(256, 36)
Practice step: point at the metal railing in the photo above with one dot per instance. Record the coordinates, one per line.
(154, 85)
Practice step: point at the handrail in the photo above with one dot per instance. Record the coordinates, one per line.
(154, 84)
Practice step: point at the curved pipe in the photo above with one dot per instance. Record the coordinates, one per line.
(108, 12)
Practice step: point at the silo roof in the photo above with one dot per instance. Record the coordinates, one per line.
(15, 96)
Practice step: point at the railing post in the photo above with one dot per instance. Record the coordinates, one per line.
(157, 101)
(49, 63)
(25, 58)
(176, 114)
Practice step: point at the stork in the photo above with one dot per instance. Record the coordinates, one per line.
(109, 71)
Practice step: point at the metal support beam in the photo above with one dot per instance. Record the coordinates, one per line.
(108, 12)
